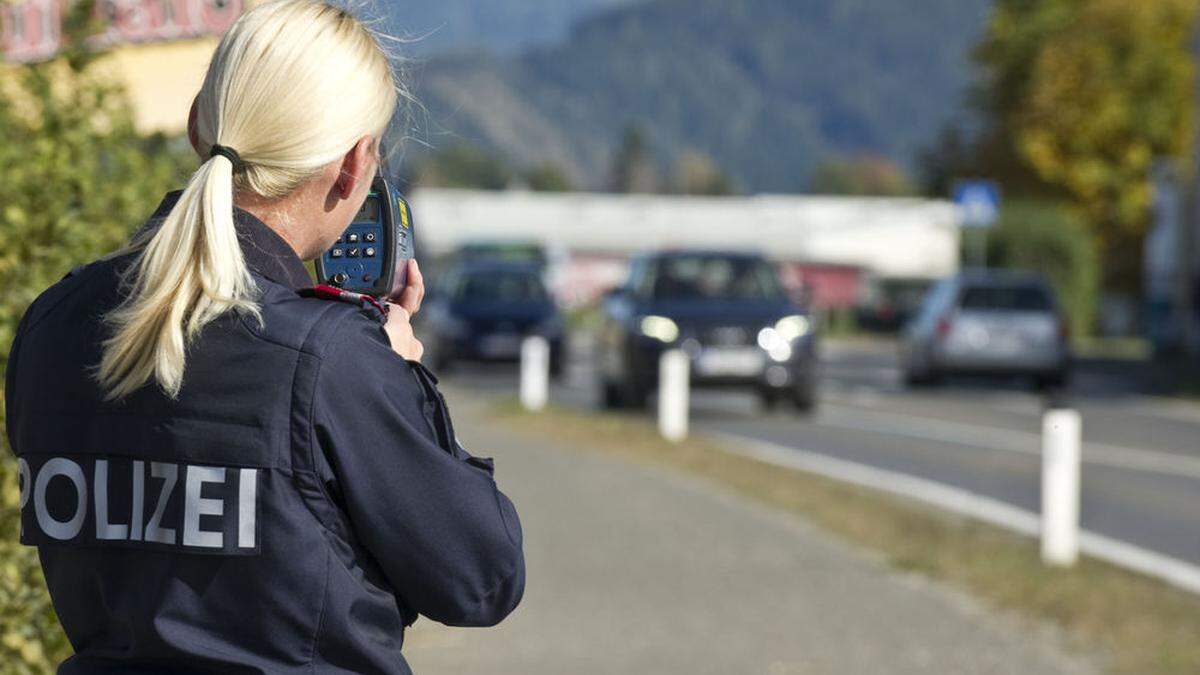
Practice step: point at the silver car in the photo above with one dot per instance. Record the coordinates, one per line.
(988, 322)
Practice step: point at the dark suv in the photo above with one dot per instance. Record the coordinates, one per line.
(727, 311)
(481, 310)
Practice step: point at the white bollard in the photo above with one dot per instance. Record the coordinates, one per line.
(1062, 431)
(673, 395)
(535, 372)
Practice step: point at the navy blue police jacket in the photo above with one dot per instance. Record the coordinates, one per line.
(293, 509)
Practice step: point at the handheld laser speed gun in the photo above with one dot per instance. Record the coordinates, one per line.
(371, 257)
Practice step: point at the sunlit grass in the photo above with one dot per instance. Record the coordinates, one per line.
(1117, 349)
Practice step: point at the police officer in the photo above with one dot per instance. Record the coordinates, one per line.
(221, 475)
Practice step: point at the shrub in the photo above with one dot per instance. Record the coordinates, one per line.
(75, 179)
(1050, 239)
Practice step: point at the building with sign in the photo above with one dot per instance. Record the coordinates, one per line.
(159, 49)
(830, 246)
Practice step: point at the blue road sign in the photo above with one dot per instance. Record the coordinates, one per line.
(979, 201)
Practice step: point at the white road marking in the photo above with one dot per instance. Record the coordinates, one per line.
(1172, 570)
(958, 433)
(995, 438)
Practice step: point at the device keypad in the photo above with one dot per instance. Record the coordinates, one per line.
(355, 261)
(340, 251)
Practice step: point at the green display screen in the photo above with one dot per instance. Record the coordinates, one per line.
(369, 211)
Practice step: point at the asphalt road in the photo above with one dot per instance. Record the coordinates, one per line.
(1141, 473)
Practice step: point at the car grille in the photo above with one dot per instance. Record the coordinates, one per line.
(725, 336)
(489, 326)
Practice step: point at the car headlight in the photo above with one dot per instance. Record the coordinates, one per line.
(660, 328)
(791, 327)
(772, 342)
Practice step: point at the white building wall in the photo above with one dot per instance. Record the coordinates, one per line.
(885, 236)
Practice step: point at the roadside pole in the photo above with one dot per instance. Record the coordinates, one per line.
(1061, 440)
(673, 395)
(978, 203)
(535, 372)
(981, 256)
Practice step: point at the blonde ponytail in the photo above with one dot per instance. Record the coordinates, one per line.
(292, 87)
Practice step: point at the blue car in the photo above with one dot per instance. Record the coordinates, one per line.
(482, 310)
(727, 311)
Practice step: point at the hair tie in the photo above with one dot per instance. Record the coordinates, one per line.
(228, 153)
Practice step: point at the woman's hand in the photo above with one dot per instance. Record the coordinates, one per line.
(414, 289)
(400, 333)
(399, 326)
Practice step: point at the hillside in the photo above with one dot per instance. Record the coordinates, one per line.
(499, 26)
(769, 88)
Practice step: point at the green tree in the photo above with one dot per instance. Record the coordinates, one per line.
(76, 178)
(1050, 238)
(861, 175)
(1081, 98)
(698, 174)
(548, 177)
(633, 168)
(948, 159)
(464, 166)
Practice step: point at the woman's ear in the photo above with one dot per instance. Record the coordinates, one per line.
(358, 165)
(193, 135)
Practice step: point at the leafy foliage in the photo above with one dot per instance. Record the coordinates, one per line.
(696, 173)
(75, 179)
(633, 168)
(1051, 239)
(861, 175)
(548, 177)
(1082, 96)
(464, 166)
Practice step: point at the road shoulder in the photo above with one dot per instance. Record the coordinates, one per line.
(640, 568)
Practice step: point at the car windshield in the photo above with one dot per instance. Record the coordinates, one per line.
(501, 286)
(713, 278)
(1013, 298)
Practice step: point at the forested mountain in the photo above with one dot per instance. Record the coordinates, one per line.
(769, 88)
(485, 25)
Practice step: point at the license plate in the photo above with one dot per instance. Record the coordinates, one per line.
(1007, 344)
(500, 346)
(729, 361)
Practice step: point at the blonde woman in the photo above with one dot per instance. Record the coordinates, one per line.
(221, 475)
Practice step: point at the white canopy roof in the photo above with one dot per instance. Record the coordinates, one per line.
(891, 237)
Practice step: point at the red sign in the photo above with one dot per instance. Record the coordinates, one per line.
(31, 30)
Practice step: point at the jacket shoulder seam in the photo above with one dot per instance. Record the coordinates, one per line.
(63, 294)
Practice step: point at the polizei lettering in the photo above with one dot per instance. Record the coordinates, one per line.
(133, 502)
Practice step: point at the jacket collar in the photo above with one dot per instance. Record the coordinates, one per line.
(266, 253)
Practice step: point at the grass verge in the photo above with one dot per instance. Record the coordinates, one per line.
(1132, 623)
(1119, 349)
